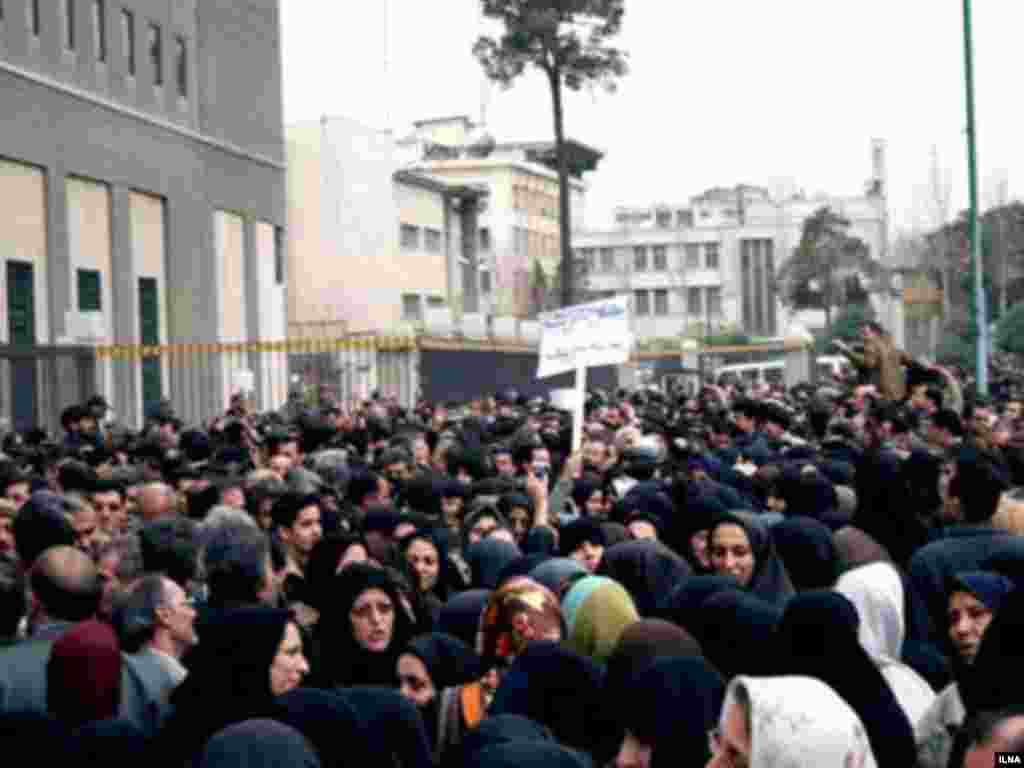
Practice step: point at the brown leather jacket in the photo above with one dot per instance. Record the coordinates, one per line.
(883, 363)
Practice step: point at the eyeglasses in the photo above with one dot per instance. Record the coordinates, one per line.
(727, 756)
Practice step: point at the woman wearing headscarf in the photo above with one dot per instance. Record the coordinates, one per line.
(530, 754)
(734, 629)
(259, 743)
(876, 592)
(430, 673)
(247, 657)
(425, 554)
(597, 610)
(818, 637)
(741, 547)
(83, 675)
(791, 721)
(362, 631)
(460, 616)
(329, 722)
(547, 683)
(498, 729)
(487, 558)
(975, 597)
(682, 605)
(518, 508)
(688, 529)
(647, 569)
(667, 713)
(639, 646)
(584, 541)
(808, 552)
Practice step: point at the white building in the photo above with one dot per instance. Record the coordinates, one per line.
(711, 263)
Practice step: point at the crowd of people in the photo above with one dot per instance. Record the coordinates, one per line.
(743, 578)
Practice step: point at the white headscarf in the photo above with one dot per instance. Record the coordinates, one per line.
(876, 591)
(799, 722)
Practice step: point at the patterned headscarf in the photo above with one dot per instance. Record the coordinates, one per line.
(497, 639)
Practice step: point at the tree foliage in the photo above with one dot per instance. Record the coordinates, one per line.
(846, 327)
(829, 268)
(567, 40)
(1010, 331)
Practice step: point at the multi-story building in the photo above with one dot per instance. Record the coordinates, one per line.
(711, 264)
(519, 225)
(143, 189)
(371, 248)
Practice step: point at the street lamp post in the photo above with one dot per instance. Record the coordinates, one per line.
(980, 310)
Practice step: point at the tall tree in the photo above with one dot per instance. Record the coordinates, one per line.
(828, 268)
(567, 40)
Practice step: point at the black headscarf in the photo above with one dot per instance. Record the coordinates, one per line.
(818, 637)
(769, 580)
(530, 754)
(110, 743)
(393, 729)
(682, 605)
(647, 569)
(805, 546)
(695, 512)
(995, 681)
(323, 565)
(734, 630)
(547, 683)
(259, 744)
(558, 574)
(672, 706)
(500, 729)
(330, 724)
(448, 660)
(638, 647)
(229, 680)
(460, 616)
(341, 660)
(446, 577)
(488, 558)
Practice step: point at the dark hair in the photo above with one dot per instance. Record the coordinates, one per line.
(979, 484)
(287, 508)
(13, 603)
(168, 546)
(361, 485)
(235, 562)
(981, 727)
(135, 613)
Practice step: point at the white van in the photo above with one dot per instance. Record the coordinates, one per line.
(772, 371)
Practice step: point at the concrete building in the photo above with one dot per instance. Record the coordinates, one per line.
(711, 262)
(519, 225)
(371, 248)
(144, 191)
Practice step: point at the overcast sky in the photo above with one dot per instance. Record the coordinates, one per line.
(720, 92)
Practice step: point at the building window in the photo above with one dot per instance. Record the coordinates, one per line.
(586, 258)
(128, 39)
(278, 256)
(715, 301)
(99, 29)
(33, 17)
(485, 239)
(684, 218)
(485, 282)
(711, 255)
(663, 219)
(607, 260)
(661, 301)
(693, 302)
(432, 240)
(660, 258)
(410, 237)
(640, 258)
(181, 65)
(642, 299)
(156, 54)
(411, 310)
(69, 24)
(90, 292)
(693, 256)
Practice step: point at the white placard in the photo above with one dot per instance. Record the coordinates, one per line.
(244, 381)
(585, 335)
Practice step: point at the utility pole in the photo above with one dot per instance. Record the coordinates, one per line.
(980, 313)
